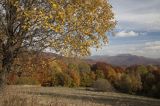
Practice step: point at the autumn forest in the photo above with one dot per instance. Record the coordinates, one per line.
(45, 45)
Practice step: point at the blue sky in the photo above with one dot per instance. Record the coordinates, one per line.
(137, 31)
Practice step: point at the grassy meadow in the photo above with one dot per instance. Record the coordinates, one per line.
(62, 96)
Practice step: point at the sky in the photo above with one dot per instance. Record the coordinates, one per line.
(137, 31)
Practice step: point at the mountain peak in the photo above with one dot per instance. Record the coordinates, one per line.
(126, 60)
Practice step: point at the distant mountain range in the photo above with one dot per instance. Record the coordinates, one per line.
(125, 60)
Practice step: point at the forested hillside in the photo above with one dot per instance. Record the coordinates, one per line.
(69, 72)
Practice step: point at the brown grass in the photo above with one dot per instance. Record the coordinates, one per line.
(18, 96)
(58, 96)
(14, 100)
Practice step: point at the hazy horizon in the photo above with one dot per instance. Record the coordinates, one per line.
(124, 55)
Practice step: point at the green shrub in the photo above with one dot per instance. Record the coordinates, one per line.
(86, 79)
(84, 67)
(142, 70)
(125, 84)
(151, 85)
(103, 85)
(99, 74)
(61, 79)
(129, 84)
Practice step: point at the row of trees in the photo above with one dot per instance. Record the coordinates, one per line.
(138, 79)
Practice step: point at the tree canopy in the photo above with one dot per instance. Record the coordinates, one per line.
(67, 27)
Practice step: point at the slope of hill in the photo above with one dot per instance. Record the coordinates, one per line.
(126, 60)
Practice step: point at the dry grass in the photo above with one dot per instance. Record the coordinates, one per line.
(40, 96)
(24, 96)
(16, 100)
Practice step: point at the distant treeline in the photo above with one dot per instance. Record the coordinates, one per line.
(138, 79)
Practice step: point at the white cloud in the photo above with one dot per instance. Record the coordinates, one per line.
(153, 48)
(152, 45)
(143, 33)
(141, 15)
(126, 34)
(148, 49)
(143, 22)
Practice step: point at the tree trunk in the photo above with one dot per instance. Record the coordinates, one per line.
(2, 78)
(6, 68)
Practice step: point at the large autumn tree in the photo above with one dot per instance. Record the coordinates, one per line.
(68, 27)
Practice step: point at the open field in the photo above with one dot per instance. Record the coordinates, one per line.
(60, 96)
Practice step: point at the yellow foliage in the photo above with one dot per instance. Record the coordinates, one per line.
(70, 27)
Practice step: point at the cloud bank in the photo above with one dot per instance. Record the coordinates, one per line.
(148, 49)
(137, 15)
(126, 34)
(152, 46)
